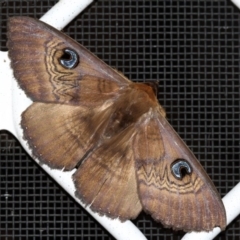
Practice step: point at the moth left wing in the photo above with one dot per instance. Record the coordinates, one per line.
(173, 187)
(51, 67)
(106, 179)
(60, 135)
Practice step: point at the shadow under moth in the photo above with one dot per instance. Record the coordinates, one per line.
(88, 116)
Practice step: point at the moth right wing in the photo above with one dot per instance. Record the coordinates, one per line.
(184, 200)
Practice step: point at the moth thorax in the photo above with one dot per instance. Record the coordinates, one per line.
(149, 89)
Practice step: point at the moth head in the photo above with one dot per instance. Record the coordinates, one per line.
(69, 59)
(154, 86)
(180, 168)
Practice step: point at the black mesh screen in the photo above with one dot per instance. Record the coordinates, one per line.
(192, 48)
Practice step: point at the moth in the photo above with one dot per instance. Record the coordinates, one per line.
(88, 116)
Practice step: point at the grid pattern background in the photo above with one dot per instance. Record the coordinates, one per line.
(192, 48)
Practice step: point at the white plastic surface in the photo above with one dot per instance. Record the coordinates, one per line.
(6, 117)
(236, 2)
(64, 12)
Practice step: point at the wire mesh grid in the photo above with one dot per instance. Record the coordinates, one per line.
(192, 48)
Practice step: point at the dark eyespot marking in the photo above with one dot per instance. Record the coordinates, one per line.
(69, 59)
(180, 168)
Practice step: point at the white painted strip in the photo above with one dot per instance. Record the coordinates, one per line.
(64, 12)
(236, 2)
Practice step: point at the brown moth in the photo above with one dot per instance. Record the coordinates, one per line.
(88, 116)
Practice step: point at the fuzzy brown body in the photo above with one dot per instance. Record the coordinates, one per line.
(114, 131)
